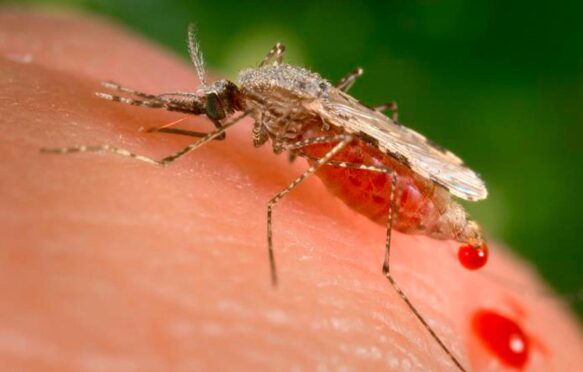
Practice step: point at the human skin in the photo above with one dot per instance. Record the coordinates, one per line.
(107, 263)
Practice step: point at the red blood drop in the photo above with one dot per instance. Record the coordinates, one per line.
(503, 337)
(472, 257)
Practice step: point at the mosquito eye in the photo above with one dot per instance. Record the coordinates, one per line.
(213, 107)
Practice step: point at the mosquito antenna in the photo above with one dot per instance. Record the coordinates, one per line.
(196, 54)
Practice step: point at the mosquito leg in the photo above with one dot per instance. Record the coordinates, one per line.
(393, 212)
(100, 148)
(274, 56)
(260, 133)
(313, 141)
(344, 164)
(390, 106)
(178, 94)
(126, 153)
(217, 125)
(342, 140)
(347, 81)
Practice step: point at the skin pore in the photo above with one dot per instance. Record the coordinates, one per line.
(111, 264)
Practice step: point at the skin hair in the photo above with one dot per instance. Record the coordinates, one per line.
(108, 263)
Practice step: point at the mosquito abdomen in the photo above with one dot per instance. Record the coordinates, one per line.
(424, 207)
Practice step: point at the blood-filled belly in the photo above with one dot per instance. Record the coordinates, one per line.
(369, 193)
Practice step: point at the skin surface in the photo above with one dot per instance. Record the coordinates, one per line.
(109, 264)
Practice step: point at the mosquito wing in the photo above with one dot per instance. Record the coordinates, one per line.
(423, 157)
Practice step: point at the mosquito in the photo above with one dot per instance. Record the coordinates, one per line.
(348, 143)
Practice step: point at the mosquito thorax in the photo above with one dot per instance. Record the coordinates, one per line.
(291, 80)
(277, 96)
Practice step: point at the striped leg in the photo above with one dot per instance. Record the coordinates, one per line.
(347, 81)
(126, 153)
(274, 56)
(342, 140)
(390, 106)
(393, 213)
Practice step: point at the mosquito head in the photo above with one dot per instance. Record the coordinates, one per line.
(220, 99)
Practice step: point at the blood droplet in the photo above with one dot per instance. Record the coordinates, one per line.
(503, 337)
(472, 257)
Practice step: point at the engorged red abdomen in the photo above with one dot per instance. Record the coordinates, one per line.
(368, 193)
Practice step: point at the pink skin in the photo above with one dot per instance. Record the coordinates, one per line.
(112, 264)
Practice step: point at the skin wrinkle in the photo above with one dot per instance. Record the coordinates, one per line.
(116, 287)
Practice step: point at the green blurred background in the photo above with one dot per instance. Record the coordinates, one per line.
(498, 82)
